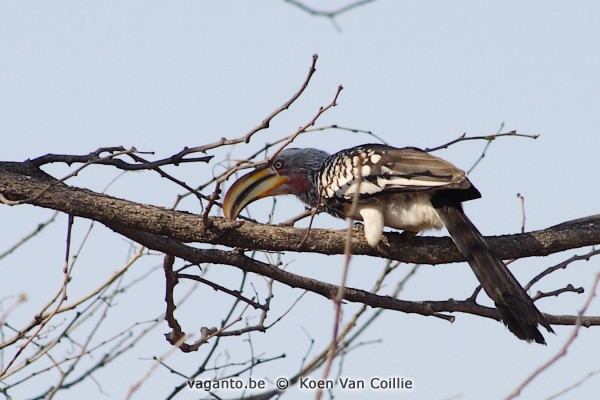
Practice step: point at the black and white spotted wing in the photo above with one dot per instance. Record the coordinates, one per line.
(385, 169)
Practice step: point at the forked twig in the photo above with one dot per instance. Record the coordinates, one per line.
(565, 347)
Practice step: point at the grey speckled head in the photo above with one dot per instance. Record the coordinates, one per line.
(302, 166)
(295, 160)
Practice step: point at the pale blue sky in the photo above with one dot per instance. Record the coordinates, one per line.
(78, 76)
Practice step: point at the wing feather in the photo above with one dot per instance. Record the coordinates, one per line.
(386, 169)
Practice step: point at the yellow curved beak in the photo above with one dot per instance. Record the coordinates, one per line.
(250, 187)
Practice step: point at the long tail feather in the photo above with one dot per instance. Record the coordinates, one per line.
(518, 312)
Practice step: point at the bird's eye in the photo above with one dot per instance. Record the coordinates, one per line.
(277, 164)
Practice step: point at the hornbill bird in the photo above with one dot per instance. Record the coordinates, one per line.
(401, 188)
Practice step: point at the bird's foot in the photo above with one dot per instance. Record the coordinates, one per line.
(358, 226)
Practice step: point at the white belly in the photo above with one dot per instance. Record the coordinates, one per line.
(411, 212)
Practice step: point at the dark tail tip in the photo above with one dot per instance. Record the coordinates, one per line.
(523, 325)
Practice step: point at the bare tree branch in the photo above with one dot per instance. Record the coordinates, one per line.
(563, 265)
(20, 181)
(489, 138)
(568, 288)
(234, 293)
(95, 158)
(239, 260)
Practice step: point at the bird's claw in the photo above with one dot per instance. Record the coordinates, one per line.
(358, 226)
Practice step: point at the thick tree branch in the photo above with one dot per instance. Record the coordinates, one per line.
(19, 181)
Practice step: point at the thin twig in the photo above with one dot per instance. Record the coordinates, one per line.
(328, 14)
(464, 137)
(264, 124)
(133, 388)
(292, 221)
(523, 217)
(565, 347)
(568, 288)
(345, 339)
(574, 385)
(562, 265)
(42, 316)
(234, 293)
(331, 15)
(30, 235)
(344, 128)
(310, 123)
(63, 298)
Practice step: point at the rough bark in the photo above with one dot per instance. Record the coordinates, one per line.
(24, 182)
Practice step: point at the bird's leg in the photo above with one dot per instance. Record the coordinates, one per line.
(373, 221)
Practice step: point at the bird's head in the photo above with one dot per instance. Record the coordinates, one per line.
(291, 172)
